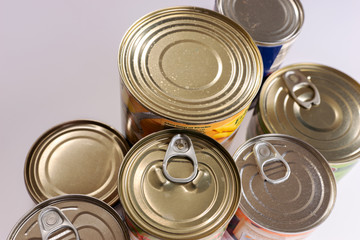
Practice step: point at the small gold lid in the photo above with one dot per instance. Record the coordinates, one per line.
(190, 65)
(317, 104)
(71, 217)
(76, 157)
(179, 184)
(287, 185)
(270, 22)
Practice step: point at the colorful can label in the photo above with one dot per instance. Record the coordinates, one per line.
(142, 122)
(242, 228)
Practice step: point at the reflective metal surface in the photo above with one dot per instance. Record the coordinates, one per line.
(77, 157)
(299, 203)
(159, 208)
(89, 217)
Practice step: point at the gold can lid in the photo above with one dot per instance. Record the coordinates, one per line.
(270, 22)
(190, 65)
(287, 185)
(76, 157)
(71, 217)
(317, 104)
(179, 184)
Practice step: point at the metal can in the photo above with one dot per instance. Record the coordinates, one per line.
(189, 68)
(71, 217)
(178, 184)
(273, 24)
(75, 157)
(288, 189)
(317, 104)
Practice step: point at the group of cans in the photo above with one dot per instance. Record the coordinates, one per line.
(188, 77)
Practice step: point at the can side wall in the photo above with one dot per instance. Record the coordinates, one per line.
(141, 122)
(241, 227)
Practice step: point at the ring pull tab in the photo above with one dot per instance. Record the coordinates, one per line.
(51, 220)
(295, 79)
(266, 153)
(180, 146)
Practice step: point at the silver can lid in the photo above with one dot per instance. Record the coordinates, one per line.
(270, 22)
(287, 185)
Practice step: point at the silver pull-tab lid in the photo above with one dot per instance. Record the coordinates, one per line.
(266, 153)
(294, 79)
(180, 146)
(51, 220)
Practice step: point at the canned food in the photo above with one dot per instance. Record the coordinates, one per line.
(317, 104)
(178, 184)
(189, 68)
(76, 157)
(288, 189)
(273, 24)
(71, 217)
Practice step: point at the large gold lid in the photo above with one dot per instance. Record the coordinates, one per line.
(287, 185)
(323, 109)
(70, 217)
(76, 157)
(190, 65)
(270, 22)
(179, 184)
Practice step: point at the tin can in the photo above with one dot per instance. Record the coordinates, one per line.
(75, 157)
(71, 217)
(273, 24)
(178, 184)
(188, 68)
(317, 104)
(288, 189)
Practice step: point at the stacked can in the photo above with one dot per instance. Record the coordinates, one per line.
(288, 189)
(189, 68)
(178, 184)
(317, 104)
(273, 24)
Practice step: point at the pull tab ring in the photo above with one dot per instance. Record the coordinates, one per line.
(266, 153)
(51, 220)
(295, 79)
(180, 146)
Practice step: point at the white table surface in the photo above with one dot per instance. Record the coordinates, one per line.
(58, 62)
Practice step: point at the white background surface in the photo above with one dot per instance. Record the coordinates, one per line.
(58, 62)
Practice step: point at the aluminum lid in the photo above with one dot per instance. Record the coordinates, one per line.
(76, 157)
(190, 65)
(74, 216)
(331, 125)
(171, 209)
(294, 204)
(270, 22)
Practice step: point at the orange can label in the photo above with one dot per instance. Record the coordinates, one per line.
(141, 122)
